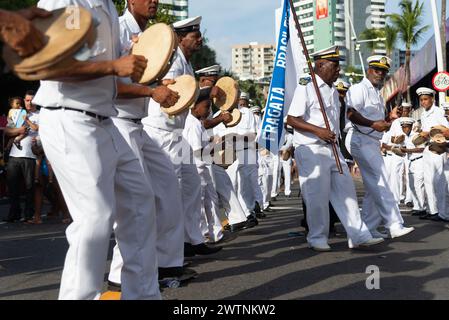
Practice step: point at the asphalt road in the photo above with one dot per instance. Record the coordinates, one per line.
(266, 262)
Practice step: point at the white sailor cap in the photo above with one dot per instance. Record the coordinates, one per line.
(425, 91)
(406, 105)
(406, 121)
(244, 96)
(379, 62)
(331, 53)
(209, 71)
(445, 105)
(342, 85)
(188, 25)
(256, 109)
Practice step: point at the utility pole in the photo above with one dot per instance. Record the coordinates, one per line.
(438, 46)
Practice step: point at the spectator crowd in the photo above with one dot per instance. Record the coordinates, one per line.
(26, 177)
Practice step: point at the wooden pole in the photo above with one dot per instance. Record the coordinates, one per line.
(315, 84)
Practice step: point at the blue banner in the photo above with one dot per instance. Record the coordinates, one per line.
(271, 130)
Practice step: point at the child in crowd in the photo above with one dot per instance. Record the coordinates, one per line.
(16, 119)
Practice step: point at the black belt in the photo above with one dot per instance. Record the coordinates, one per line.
(416, 159)
(87, 113)
(136, 121)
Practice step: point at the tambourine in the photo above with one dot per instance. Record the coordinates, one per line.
(188, 90)
(285, 155)
(438, 148)
(438, 138)
(236, 118)
(231, 94)
(158, 44)
(398, 139)
(398, 152)
(63, 41)
(419, 140)
(436, 130)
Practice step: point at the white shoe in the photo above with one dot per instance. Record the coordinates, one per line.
(320, 248)
(400, 232)
(377, 234)
(371, 242)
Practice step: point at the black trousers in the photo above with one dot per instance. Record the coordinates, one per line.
(333, 218)
(20, 170)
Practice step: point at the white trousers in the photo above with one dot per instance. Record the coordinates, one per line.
(276, 175)
(160, 172)
(395, 170)
(379, 204)
(408, 188)
(210, 220)
(287, 168)
(227, 195)
(416, 179)
(266, 177)
(243, 174)
(320, 183)
(97, 170)
(189, 181)
(435, 182)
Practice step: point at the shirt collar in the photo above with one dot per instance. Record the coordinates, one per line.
(428, 112)
(132, 23)
(368, 83)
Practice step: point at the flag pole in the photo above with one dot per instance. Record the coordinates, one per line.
(315, 84)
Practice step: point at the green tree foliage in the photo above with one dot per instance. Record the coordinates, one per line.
(255, 92)
(16, 4)
(408, 23)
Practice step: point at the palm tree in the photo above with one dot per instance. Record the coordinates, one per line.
(391, 35)
(408, 24)
(369, 34)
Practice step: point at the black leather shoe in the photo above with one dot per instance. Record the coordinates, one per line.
(437, 218)
(188, 250)
(257, 208)
(114, 287)
(428, 216)
(172, 272)
(418, 213)
(261, 215)
(203, 249)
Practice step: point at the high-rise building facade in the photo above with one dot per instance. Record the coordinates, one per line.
(333, 22)
(253, 61)
(177, 8)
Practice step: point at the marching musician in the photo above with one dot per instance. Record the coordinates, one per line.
(319, 178)
(167, 132)
(96, 168)
(435, 165)
(366, 113)
(132, 106)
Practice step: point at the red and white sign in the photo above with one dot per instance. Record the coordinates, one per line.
(322, 9)
(440, 81)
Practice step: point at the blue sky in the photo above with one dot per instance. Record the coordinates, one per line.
(229, 22)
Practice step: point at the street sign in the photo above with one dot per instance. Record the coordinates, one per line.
(440, 81)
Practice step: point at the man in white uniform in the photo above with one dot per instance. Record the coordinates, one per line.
(244, 171)
(195, 134)
(366, 112)
(167, 132)
(286, 165)
(415, 167)
(319, 178)
(435, 165)
(96, 168)
(157, 166)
